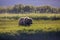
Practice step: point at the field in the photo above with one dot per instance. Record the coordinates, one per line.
(9, 23)
(45, 27)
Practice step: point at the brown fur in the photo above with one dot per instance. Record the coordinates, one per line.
(25, 21)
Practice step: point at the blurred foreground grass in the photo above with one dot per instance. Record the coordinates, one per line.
(42, 25)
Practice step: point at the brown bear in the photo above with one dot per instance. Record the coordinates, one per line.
(25, 21)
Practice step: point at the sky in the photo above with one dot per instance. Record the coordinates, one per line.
(55, 3)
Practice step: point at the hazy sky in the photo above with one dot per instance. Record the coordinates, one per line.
(55, 3)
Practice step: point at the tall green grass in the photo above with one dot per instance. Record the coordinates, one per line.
(32, 15)
(42, 25)
(43, 22)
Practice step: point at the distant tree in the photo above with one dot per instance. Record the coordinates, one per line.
(59, 10)
(41, 9)
(17, 8)
(2, 10)
(28, 9)
(54, 10)
(20, 8)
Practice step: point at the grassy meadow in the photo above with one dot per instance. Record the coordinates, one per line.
(9, 22)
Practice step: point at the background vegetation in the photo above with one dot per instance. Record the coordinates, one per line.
(29, 9)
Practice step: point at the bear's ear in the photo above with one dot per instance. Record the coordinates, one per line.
(26, 18)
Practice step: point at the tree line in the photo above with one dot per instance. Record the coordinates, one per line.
(29, 9)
